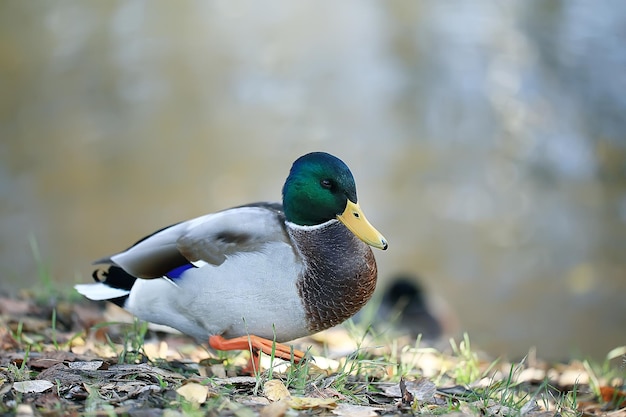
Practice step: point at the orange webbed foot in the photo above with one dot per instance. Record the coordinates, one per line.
(256, 344)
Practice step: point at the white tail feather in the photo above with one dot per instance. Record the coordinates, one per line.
(100, 291)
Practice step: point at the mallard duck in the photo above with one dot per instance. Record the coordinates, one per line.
(258, 275)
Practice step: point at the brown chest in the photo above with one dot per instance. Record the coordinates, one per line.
(340, 275)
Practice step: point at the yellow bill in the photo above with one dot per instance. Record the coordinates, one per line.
(354, 219)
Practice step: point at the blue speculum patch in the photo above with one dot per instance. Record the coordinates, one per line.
(177, 272)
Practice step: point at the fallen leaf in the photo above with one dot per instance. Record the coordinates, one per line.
(63, 373)
(7, 341)
(327, 392)
(422, 389)
(275, 409)
(24, 410)
(406, 395)
(49, 359)
(15, 307)
(253, 401)
(37, 385)
(500, 410)
(530, 407)
(573, 377)
(614, 397)
(305, 403)
(156, 351)
(275, 390)
(350, 410)
(43, 363)
(194, 392)
(86, 366)
(237, 380)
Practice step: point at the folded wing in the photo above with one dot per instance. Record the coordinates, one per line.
(210, 238)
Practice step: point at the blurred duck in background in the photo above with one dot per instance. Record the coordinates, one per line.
(404, 306)
(404, 310)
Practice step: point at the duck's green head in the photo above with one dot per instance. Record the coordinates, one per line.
(319, 188)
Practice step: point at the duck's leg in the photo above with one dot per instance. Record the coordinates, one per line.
(256, 343)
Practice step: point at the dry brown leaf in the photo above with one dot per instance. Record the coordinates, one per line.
(305, 403)
(275, 390)
(194, 392)
(24, 410)
(7, 341)
(15, 307)
(407, 396)
(613, 397)
(276, 409)
(156, 350)
(49, 359)
(422, 389)
(350, 410)
(500, 410)
(327, 392)
(43, 363)
(37, 385)
(253, 401)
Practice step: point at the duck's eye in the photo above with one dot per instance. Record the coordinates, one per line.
(326, 183)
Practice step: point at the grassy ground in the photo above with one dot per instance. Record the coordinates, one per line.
(65, 357)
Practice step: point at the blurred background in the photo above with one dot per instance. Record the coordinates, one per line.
(487, 140)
